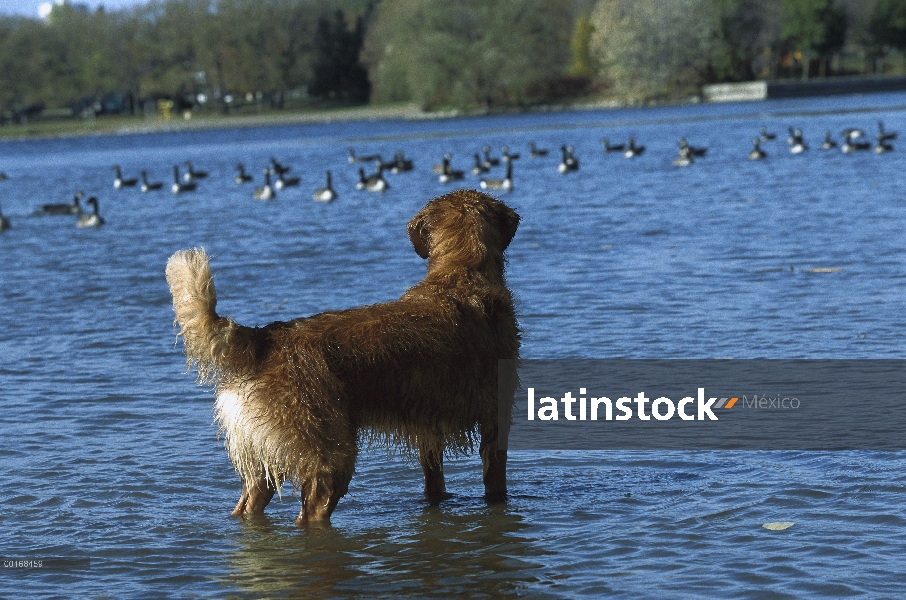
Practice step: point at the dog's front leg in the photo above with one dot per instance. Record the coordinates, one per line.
(320, 497)
(255, 496)
(433, 468)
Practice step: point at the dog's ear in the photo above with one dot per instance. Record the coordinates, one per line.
(508, 222)
(418, 236)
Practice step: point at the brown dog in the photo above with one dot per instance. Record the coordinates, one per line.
(295, 398)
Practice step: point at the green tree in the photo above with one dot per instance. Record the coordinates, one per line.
(813, 27)
(471, 53)
(337, 72)
(651, 48)
(582, 63)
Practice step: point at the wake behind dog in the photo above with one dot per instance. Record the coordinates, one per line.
(296, 399)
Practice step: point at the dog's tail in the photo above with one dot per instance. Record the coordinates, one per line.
(216, 345)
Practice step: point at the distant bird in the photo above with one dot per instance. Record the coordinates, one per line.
(479, 168)
(685, 157)
(450, 174)
(92, 219)
(499, 184)
(119, 181)
(241, 175)
(3, 176)
(150, 187)
(285, 182)
(507, 157)
(828, 143)
(693, 151)
(265, 192)
(850, 144)
(4, 222)
(853, 132)
(191, 174)
(400, 164)
(569, 162)
(179, 187)
(797, 144)
(881, 147)
(372, 183)
(632, 150)
(765, 136)
(326, 193)
(440, 167)
(489, 161)
(884, 136)
(278, 168)
(536, 152)
(792, 138)
(63, 209)
(757, 153)
(357, 159)
(608, 147)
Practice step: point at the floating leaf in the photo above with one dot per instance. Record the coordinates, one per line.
(778, 526)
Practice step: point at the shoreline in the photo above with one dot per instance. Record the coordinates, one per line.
(406, 112)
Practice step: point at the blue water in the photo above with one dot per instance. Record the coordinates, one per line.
(108, 448)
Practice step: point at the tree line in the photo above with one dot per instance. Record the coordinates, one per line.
(269, 54)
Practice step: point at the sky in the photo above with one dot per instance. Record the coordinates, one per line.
(29, 8)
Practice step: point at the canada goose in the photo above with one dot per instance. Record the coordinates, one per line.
(489, 161)
(119, 182)
(180, 187)
(536, 152)
(568, 162)
(507, 157)
(279, 169)
(884, 136)
(479, 168)
(792, 138)
(851, 145)
(326, 193)
(881, 147)
(92, 219)
(265, 192)
(757, 153)
(685, 157)
(797, 144)
(285, 182)
(150, 187)
(373, 183)
(63, 209)
(357, 159)
(241, 175)
(693, 151)
(449, 174)
(828, 142)
(3, 176)
(500, 184)
(4, 222)
(442, 166)
(765, 135)
(191, 174)
(632, 150)
(400, 164)
(608, 147)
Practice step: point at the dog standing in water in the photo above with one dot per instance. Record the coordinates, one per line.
(295, 398)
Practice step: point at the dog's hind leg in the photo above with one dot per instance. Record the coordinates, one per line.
(433, 467)
(494, 463)
(255, 496)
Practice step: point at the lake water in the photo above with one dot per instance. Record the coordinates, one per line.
(107, 447)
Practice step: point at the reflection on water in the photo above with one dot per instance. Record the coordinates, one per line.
(427, 552)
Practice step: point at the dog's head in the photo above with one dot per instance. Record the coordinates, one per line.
(464, 228)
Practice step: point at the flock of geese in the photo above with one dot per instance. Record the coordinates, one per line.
(276, 176)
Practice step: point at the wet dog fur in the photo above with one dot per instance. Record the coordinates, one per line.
(296, 399)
